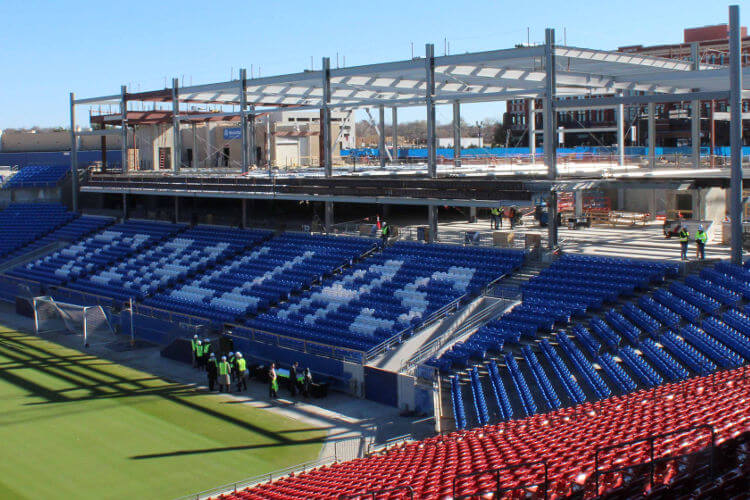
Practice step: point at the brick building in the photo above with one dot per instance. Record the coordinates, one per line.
(673, 120)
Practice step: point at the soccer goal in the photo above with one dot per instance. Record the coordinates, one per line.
(91, 322)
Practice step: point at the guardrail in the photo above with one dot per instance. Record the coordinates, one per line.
(273, 475)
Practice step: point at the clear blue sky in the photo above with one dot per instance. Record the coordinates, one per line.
(48, 49)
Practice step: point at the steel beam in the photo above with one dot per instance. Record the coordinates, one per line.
(432, 221)
(651, 135)
(612, 101)
(382, 154)
(176, 138)
(695, 111)
(531, 124)
(550, 131)
(735, 132)
(243, 118)
(326, 132)
(124, 129)
(252, 157)
(456, 134)
(73, 153)
(620, 112)
(394, 125)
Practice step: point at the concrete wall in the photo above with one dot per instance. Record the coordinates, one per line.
(51, 141)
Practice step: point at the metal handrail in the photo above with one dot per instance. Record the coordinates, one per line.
(650, 440)
(497, 472)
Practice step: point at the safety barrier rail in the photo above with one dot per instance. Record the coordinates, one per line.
(652, 461)
(496, 472)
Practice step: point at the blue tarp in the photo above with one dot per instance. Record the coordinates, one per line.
(404, 153)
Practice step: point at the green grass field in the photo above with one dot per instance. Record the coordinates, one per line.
(76, 426)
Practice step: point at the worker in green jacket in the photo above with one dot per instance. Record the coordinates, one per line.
(224, 380)
(206, 351)
(684, 237)
(212, 370)
(700, 243)
(385, 232)
(199, 362)
(241, 373)
(194, 347)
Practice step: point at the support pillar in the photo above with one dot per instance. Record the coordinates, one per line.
(176, 138)
(244, 213)
(243, 118)
(456, 134)
(531, 124)
(431, 135)
(550, 132)
(472, 214)
(381, 136)
(620, 112)
(735, 132)
(124, 130)
(651, 135)
(176, 209)
(578, 197)
(194, 162)
(394, 120)
(124, 206)
(252, 156)
(326, 129)
(695, 112)
(73, 153)
(430, 101)
(209, 146)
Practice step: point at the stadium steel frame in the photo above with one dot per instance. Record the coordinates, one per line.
(563, 77)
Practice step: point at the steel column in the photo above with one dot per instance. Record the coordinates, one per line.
(651, 135)
(251, 145)
(735, 132)
(176, 138)
(326, 133)
(73, 153)
(124, 129)
(244, 213)
(456, 133)
(176, 209)
(394, 120)
(382, 154)
(695, 112)
(620, 112)
(430, 101)
(194, 162)
(531, 108)
(432, 218)
(243, 118)
(550, 131)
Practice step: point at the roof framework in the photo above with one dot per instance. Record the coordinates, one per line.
(563, 77)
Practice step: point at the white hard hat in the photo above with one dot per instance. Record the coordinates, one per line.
(700, 227)
(239, 354)
(230, 353)
(212, 355)
(223, 358)
(199, 342)
(195, 336)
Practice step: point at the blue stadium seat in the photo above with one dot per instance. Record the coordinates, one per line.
(38, 176)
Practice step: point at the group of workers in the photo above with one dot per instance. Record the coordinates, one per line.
(498, 213)
(700, 242)
(232, 367)
(222, 370)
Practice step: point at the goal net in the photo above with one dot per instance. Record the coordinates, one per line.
(90, 322)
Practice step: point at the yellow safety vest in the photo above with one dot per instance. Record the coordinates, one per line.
(684, 235)
(223, 368)
(701, 237)
(241, 364)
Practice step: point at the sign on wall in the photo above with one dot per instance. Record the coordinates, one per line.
(232, 133)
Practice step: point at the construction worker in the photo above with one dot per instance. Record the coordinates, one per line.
(199, 354)
(232, 359)
(213, 371)
(493, 217)
(241, 373)
(273, 381)
(293, 379)
(194, 346)
(700, 243)
(224, 379)
(684, 235)
(206, 349)
(500, 213)
(385, 231)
